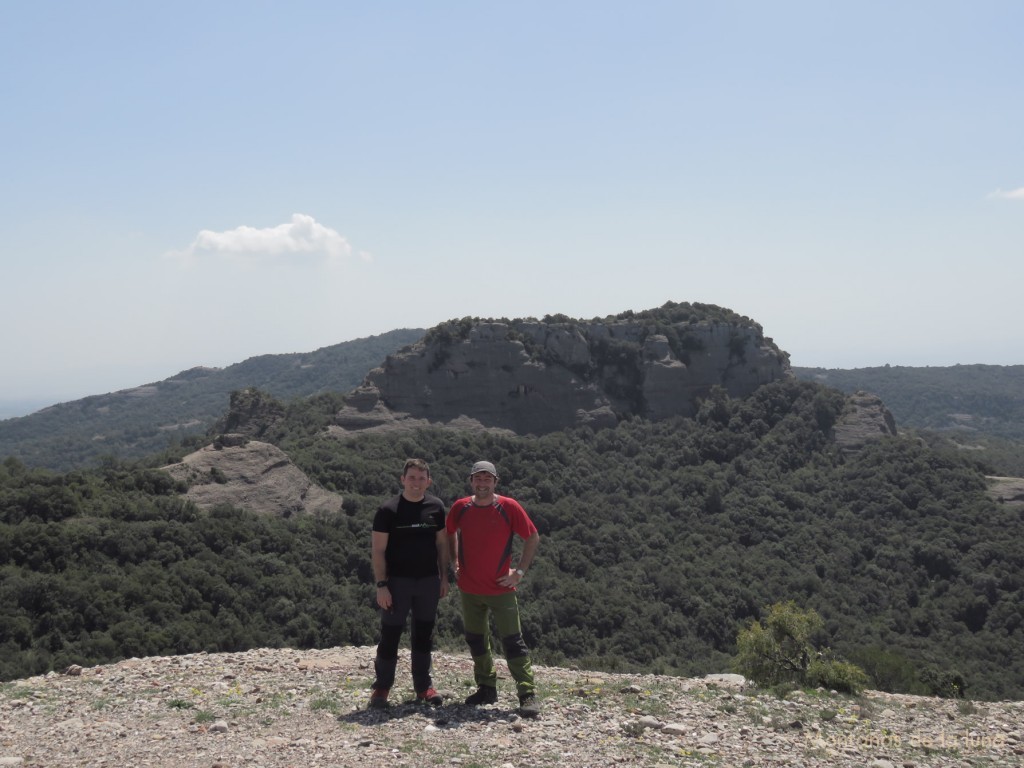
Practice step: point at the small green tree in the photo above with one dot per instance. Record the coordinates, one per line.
(944, 683)
(780, 649)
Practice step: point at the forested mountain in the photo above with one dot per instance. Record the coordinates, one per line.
(137, 422)
(979, 406)
(659, 541)
(661, 538)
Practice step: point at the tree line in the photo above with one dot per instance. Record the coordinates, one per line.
(660, 542)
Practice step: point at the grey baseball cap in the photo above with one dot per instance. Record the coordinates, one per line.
(483, 466)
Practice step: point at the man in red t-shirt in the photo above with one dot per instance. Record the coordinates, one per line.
(481, 530)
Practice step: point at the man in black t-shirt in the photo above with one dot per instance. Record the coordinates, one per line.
(410, 565)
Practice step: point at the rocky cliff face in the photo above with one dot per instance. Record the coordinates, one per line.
(535, 377)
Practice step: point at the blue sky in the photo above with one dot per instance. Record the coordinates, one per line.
(191, 184)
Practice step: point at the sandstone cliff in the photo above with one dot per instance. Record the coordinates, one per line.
(534, 376)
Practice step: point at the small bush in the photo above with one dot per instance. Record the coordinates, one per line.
(836, 676)
(779, 651)
(945, 683)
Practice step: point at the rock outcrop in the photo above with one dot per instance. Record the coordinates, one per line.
(251, 475)
(251, 413)
(864, 418)
(534, 377)
(1006, 490)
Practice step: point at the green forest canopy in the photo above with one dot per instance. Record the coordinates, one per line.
(660, 541)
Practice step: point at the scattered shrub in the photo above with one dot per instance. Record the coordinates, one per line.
(779, 651)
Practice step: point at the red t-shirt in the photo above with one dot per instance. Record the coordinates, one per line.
(485, 541)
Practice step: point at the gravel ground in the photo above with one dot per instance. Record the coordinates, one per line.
(274, 707)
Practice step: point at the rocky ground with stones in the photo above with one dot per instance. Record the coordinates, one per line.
(277, 707)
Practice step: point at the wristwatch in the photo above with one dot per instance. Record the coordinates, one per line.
(382, 583)
(521, 572)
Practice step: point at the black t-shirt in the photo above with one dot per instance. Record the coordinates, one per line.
(412, 528)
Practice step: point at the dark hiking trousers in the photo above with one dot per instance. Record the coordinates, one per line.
(419, 597)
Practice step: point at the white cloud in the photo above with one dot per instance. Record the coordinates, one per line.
(1009, 194)
(302, 235)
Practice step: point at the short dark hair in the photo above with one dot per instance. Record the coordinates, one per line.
(415, 464)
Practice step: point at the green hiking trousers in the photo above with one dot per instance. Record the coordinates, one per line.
(505, 607)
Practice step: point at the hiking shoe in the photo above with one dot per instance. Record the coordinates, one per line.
(529, 705)
(379, 698)
(484, 695)
(429, 696)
